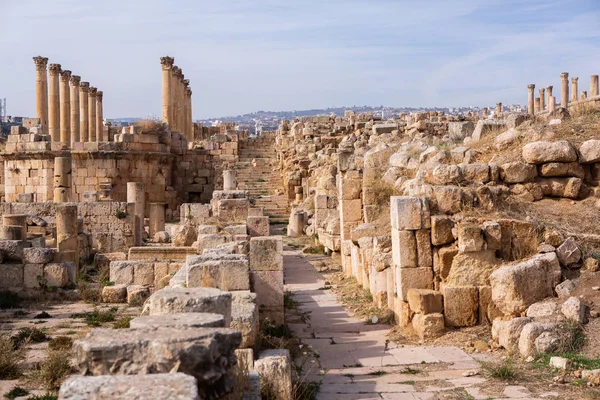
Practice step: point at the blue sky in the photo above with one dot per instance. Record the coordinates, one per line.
(243, 56)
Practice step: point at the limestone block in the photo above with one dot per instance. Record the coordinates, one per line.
(210, 241)
(351, 210)
(180, 300)
(446, 175)
(349, 189)
(137, 294)
(470, 238)
(478, 173)
(236, 229)
(175, 386)
(121, 272)
(589, 152)
(11, 276)
(568, 252)
(244, 317)
(191, 320)
(544, 152)
(492, 232)
(532, 342)
(443, 262)
(554, 169)
(162, 237)
(449, 199)
(404, 248)
(143, 273)
(114, 294)
(424, 255)
(204, 353)
(412, 278)
(461, 304)
(542, 309)
(515, 287)
(266, 253)
(56, 274)
(517, 172)
(507, 333)
(425, 301)
(428, 326)
(460, 130)
(13, 250)
(258, 226)
(570, 188)
(32, 273)
(225, 273)
(207, 229)
(268, 286)
(38, 255)
(256, 212)
(565, 288)
(441, 230)
(275, 370)
(575, 311)
(487, 309)
(152, 253)
(183, 235)
(409, 213)
(233, 210)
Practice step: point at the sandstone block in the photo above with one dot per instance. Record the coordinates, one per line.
(207, 354)
(472, 269)
(478, 173)
(412, 278)
(517, 172)
(573, 169)
(441, 230)
(492, 232)
(443, 261)
(404, 248)
(137, 294)
(424, 301)
(461, 305)
(570, 188)
(183, 235)
(180, 300)
(447, 175)
(516, 287)
(266, 254)
(544, 152)
(568, 252)
(470, 238)
(589, 152)
(268, 286)
(175, 386)
(121, 272)
(180, 321)
(38, 255)
(424, 254)
(575, 311)
(507, 333)
(11, 276)
(258, 226)
(449, 199)
(565, 288)
(540, 337)
(409, 213)
(114, 294)
(32, 273)
(428, 326)
(224, 273)
(244, 317)
(56, 274)
(275, 369)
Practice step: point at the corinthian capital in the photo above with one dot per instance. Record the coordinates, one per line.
(75, 79)
(531, 86)
(54, 69)
(84, 86)
(40, 63)
(99, 95)
(93, 91)
(65, 75)
(167, 62)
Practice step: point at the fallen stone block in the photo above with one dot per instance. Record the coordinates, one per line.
(179, 300)
(207, 354)
(540, 337)
(425, 301)
(559, 363)
(575, 311)
(38, 255)
(258, 226)
(542, 309)
(507, 333)
(13, 250)
(275, 370)
(175, 386)
(568, 252)
(441, 230)
(428, 326)
(137, 294)
(545, 152)
(565, 288)
(114, 294)
(179, 321)
(461, 305)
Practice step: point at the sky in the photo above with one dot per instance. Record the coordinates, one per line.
(248, 55)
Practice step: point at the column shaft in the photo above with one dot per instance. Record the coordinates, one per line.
(136, 193)
(92, 114)
(548, 94)
(41, 91)
(62, 179)
(157, 218)
(75, 137)
(594, 86)
(564, 90)
(167, 99)
(100, 118)
(65, 107)
(542, 99)
(530, 99)
(67, 240)
(575, 89)
(54, 103)
(84, 113)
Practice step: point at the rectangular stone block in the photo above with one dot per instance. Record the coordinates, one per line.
(32, 274)
(143, 273)
(441, 230)
(160, 253)
(224, 274)
(428, 326)
(266, 253)
(412, 278)
(121, 272)
(351, 211)
(56, 274)
(425, 301)
(409, 213)
(268, 286)
(461, 305)
(258, 226)
(424, 255)
(256, 212)
(404, 248)
(470, 238)
(11, 276)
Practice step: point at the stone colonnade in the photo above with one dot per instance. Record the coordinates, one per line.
(176, 99)
(69, 110)
(547, 101)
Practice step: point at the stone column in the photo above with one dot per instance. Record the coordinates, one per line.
(99, 118)
(594, 86)
(186, 109)
(548, 93)
(575, 89)
(14, 226)
(484, 112)
(297, 223)
(136, 193)
(583, 95)
(542, 99)
(536, 105)
(175, 71)
(157, 218)
(551, 104)
(564, 90)
(92, 114)
(67, 241)
(190, 117)
(54, 103)
(41, 91)
(75, 137)
(167, 99)
(83, 101)
(65, 107)
(62, 179)
(498, 109)
(531, 99)
(229, 179)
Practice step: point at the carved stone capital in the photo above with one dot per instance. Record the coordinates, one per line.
(54, 69)
(75, 79)
(65, 75)
(84, 86)
(186, 83)
(549, 88)
(40, 63)
(188, 92)
(93, 91)
(531, 86)
(574, 79)
(542, 91)
(564, 76)
(99, 95)
(167, 62)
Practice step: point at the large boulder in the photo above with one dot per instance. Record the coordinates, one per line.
(183, 235)
(516, 287)
(545, 152)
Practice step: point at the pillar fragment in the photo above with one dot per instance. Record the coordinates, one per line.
(548, 94)
(229, 179)
(84, 89)
(536, 105)
(65, 107)
(594, 86)
(67, 241)
(498, 109)
(530, 99)
(542, 99)
(75, 80)
(551, 104)
(54, 103)
(564, 90)
(62, 179)
(136, 194)
(15, 226)
(99, 118)
(41, 91)
(575, 89)
(92, 114)
(157, 218)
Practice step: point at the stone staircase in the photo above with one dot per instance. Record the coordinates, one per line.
(257, 172)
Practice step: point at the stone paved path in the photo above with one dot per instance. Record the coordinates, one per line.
(358, 363)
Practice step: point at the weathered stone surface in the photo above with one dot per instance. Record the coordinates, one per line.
(517, 172)
(162, 237)
(424, 255)
(542, 309)
(183, 235)
(447, 175)
(56, 274)
(443, 261)
(275, 369)
(428, 326)
(575, 311)
(516, 287)
(226, 273)
(178, 300)
(409, 213)
(460, 130)
(268, 286)
(37, 255)
(565, 288)
(461, 304)
(244, 316)
(412, 278)
(507, 333)
(570, 188)
(175, 386)
(114, 294)
(559, 363)
(562, 169)
(492, 233)
(404, 248)
(470, 238)
(546, 152)
(568, 253)
(11, 275)
(472, 269)
(424, 301)
(121, 272)
(441, 230)
(137, 294)
(179, 321)
(540, 337)
(590, 152)
(258, 226)
(266, 253)
(13, 250)
(207, 354)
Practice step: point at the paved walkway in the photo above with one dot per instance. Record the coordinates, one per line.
(358, 361)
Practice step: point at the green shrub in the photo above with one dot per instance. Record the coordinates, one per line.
(16, 392)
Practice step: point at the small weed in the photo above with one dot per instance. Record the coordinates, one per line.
(33, 335)
(319, 249)
(53, 370)
(71, 333)
(260, 180)
(288, 301)
(410, 371)
(47, 396)
(9, 299)
(504, 371)
(43, 315)
(378, 373)
(10, 357)
(407, 382)
(357, 365)
(120, 214)
(304, 390)
(19, 313)
(122, 323)
(60, 343)
(96, 318)
(324, 288)
(108, 283)
(279, 331)
(579, 382)
(348, 375)
(16, 392)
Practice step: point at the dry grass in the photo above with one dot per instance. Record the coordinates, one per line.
(10, 357)
(53, 370)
